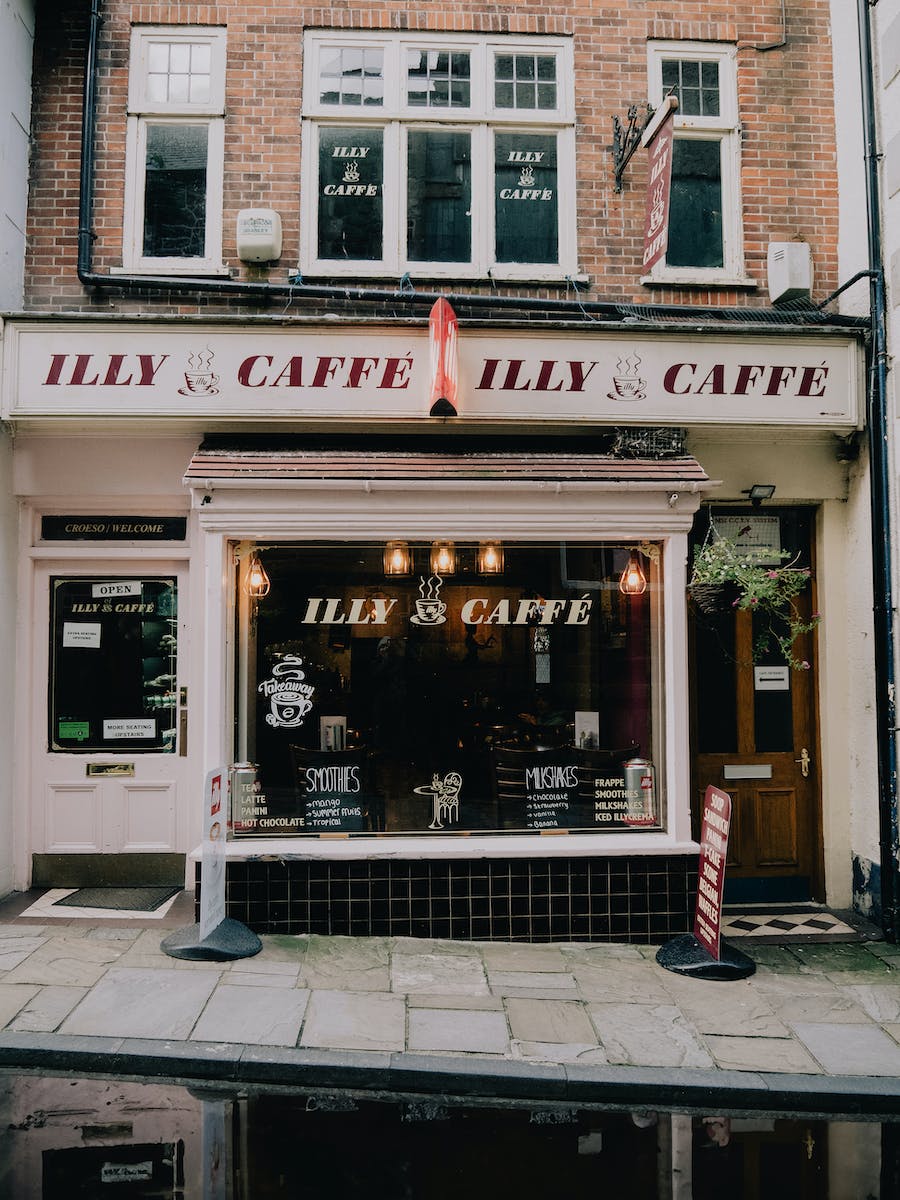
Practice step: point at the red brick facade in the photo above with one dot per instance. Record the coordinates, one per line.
(788, 170)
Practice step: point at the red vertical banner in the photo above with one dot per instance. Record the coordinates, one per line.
(658, 139)
(711, 870)
(443, 336)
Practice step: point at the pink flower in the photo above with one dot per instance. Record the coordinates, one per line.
(804, 666)
(772, 574)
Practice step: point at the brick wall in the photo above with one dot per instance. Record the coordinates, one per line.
(785, 96)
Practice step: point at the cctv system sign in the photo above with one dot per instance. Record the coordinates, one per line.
(160, 370)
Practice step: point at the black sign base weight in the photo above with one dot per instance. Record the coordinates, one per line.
(685, 956)
(230, 939)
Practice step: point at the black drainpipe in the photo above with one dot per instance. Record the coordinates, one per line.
(885, 702)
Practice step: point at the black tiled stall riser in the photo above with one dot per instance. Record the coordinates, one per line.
(523, 900)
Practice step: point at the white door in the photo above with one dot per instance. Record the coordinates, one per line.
(109, 738)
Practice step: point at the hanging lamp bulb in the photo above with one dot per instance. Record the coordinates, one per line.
(257, 580)
(633, 581)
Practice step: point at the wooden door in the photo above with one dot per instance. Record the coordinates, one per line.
(755, 736)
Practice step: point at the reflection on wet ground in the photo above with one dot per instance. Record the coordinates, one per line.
(67, 1138)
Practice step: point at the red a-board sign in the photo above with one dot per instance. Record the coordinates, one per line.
(711, 872)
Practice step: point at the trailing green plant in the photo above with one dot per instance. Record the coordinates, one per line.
(759, 586)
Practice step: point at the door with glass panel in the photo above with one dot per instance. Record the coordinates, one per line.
(754, 723)
(109, 710)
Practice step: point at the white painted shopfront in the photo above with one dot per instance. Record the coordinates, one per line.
(152, 459)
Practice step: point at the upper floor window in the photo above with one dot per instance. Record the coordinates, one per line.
(175, 150)
(439, 156)
(705, 242)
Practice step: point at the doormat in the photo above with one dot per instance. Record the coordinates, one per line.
(132, 899)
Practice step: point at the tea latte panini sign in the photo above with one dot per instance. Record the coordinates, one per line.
(160, 370)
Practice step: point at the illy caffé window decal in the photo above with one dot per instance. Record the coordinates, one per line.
(444, 795)
(430, 609)
(289, 696)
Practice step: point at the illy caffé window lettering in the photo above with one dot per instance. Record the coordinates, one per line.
(448, 688)
(113, 665)
(351, 166)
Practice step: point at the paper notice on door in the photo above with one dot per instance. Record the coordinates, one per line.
(771, 679)
(129, 729)
(82, 635)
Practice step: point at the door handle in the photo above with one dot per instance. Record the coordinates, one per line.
(804, 761)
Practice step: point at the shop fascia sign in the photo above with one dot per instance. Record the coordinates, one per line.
(120, 369)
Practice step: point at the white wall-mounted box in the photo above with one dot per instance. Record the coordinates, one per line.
(258, 235)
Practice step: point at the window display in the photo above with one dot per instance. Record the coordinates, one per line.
(448, 687)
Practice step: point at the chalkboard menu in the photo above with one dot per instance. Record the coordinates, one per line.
(334, 796)
(254, 814)
(551, 792)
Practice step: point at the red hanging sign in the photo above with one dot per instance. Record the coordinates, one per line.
(711, 869)
(658, 138)
(443, 337)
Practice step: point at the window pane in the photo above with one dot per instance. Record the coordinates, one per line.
(439, 197)
(437, 79)
(695, 214)
(348, 75)
(180, 57)
(179, 72)
(158, 57)
(526, 205)
(351, 193)
(524, 70)
(695, 83)
(175, 191)
(499, 702)
(113, 665)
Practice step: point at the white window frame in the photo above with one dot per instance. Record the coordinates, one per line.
(144, 112)
(725, 129)
(481, 118)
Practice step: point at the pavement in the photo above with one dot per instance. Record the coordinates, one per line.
(816, 1029)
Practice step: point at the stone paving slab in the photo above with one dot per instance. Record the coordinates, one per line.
(648, 1035)
(263, 1016)
(851, 1049)
(458, 1030)
(129, 1002)
(761, 1054)
(13, 998)
(348, 964)
(438, 973)
(355, 1021)
(46, 1010)
(550, 1021)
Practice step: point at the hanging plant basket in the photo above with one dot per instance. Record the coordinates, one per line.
(714, 598)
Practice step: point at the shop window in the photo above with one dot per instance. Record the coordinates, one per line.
(175, 150)
(113, 651)
(464, 164)
(504, 693)
(705, 243)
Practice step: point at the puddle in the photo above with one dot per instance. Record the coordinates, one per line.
(66, 1138)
